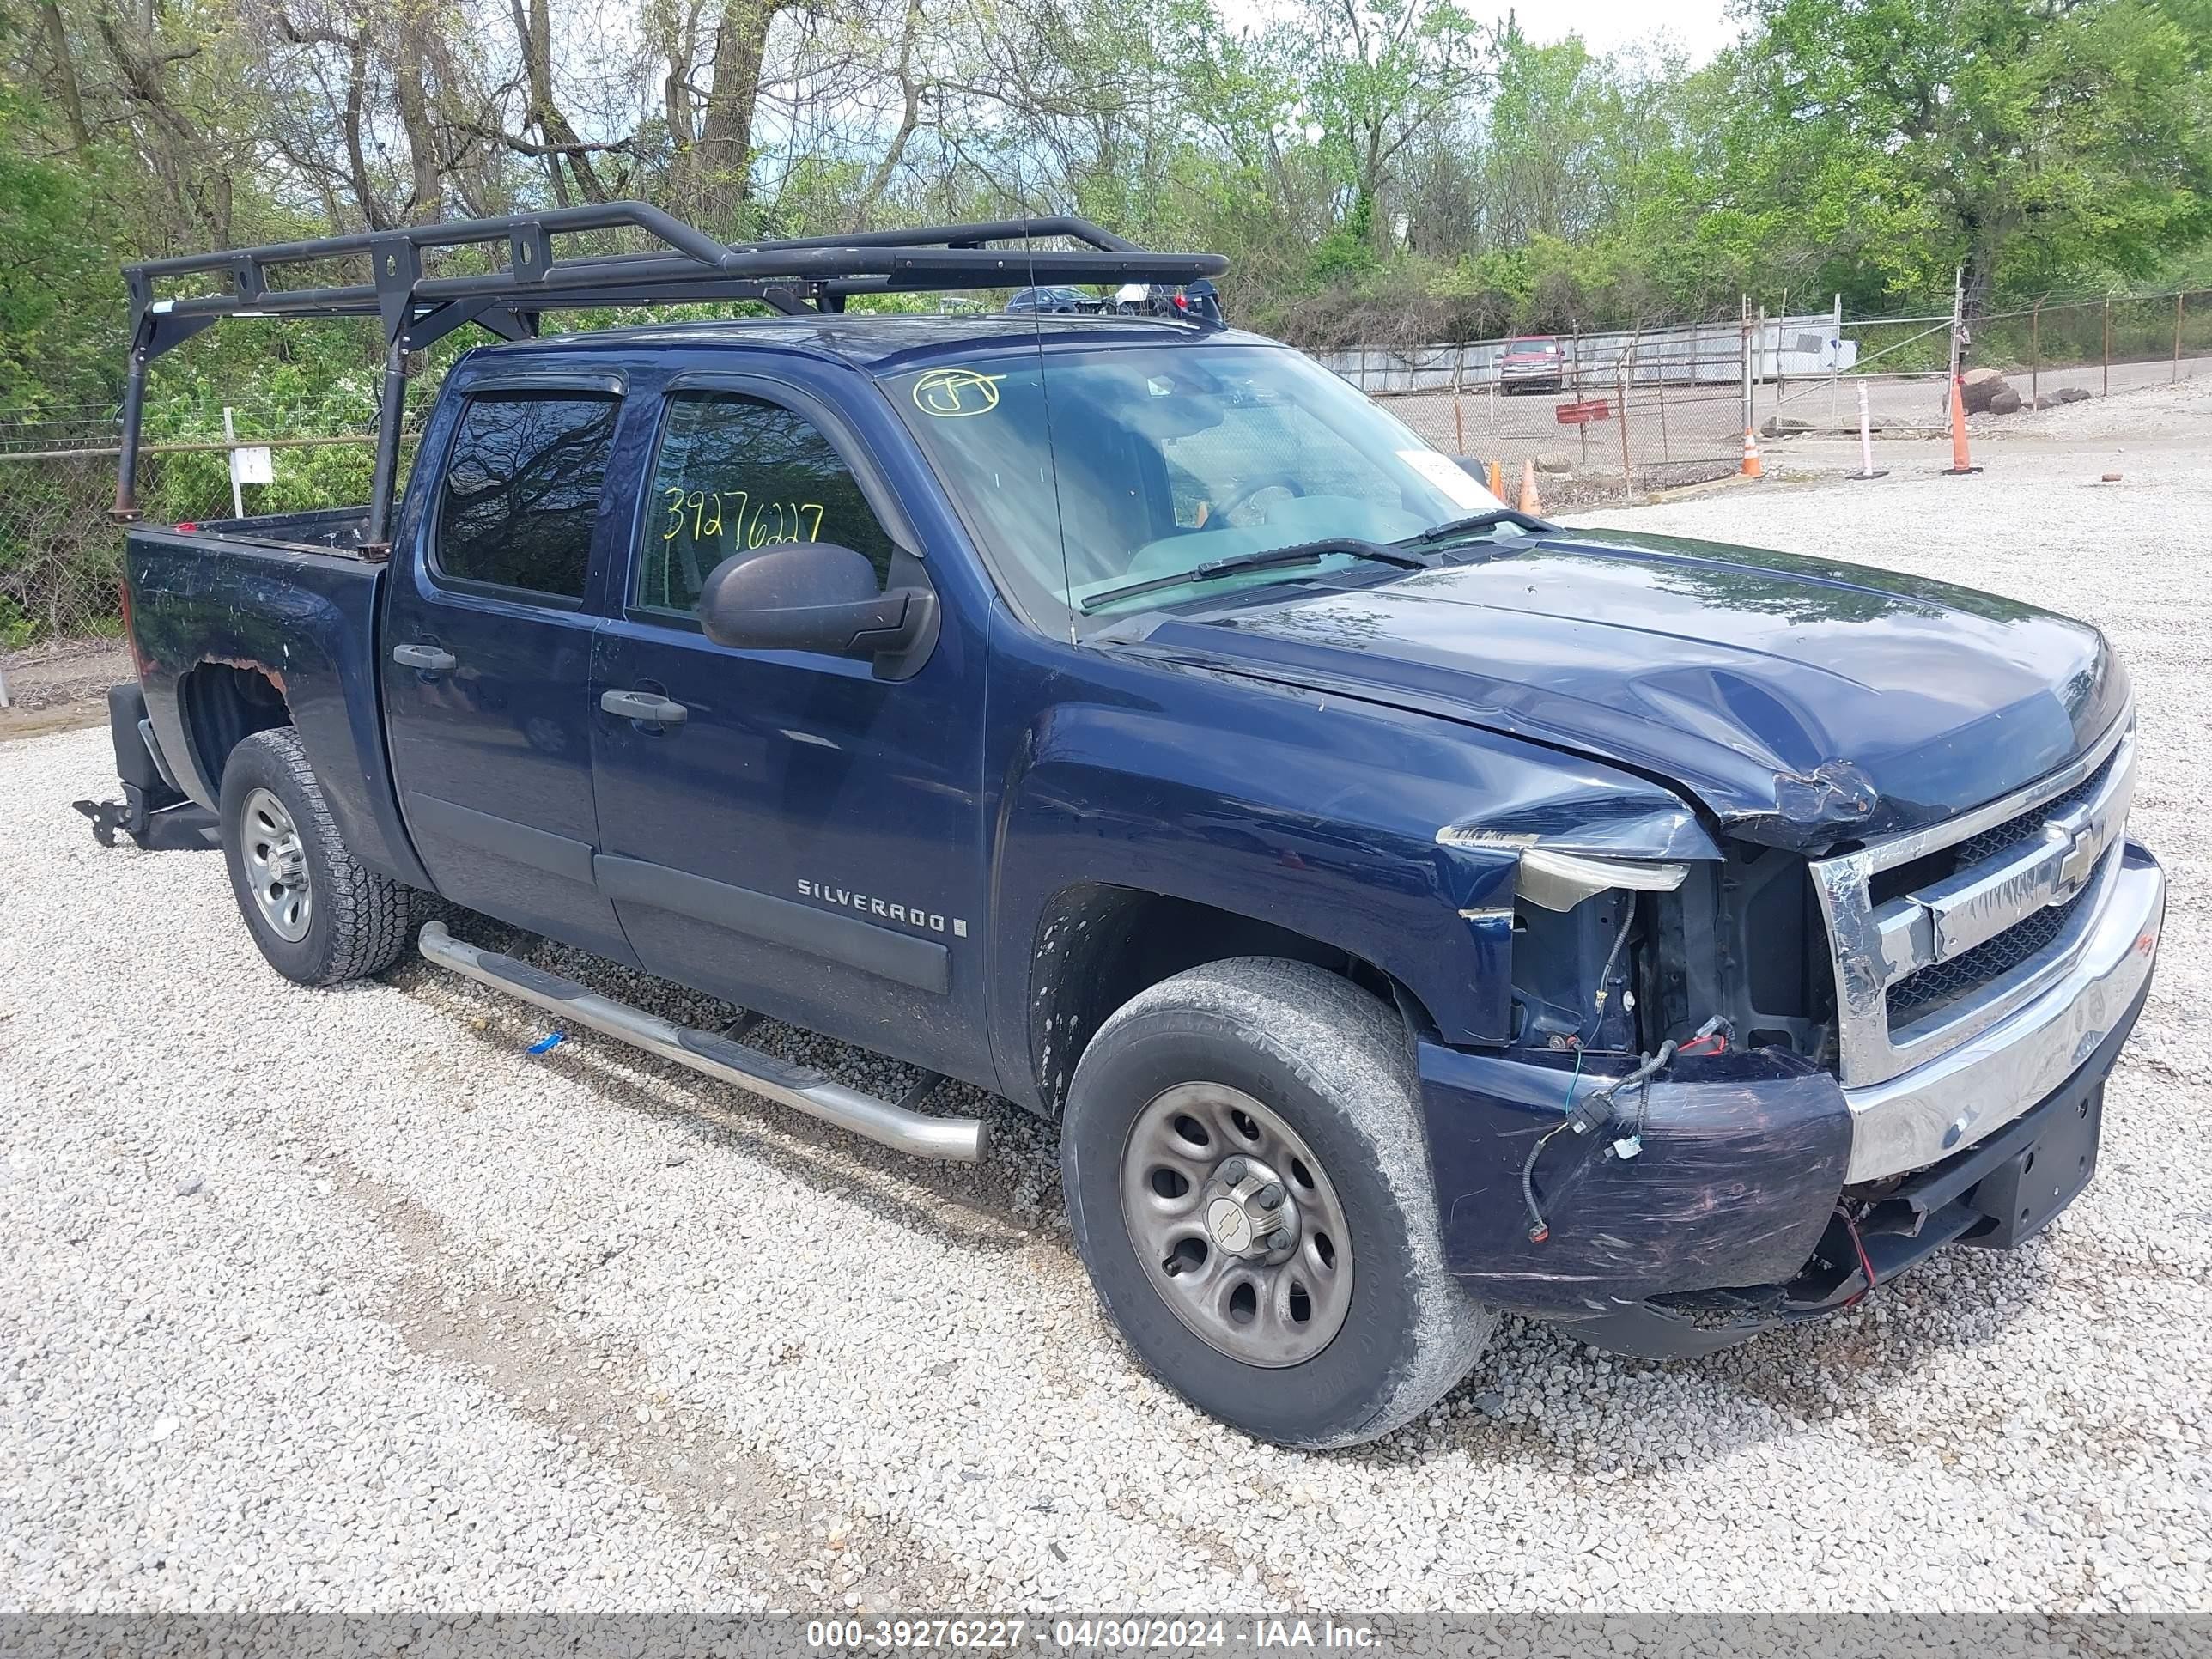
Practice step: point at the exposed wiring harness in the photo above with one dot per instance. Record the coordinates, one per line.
(1596, 1110)
(1866, 1263)
(1592, 1111)
(1605, 979)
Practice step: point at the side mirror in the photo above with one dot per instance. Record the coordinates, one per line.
(813, 596)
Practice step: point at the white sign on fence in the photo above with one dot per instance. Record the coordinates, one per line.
(252, 464)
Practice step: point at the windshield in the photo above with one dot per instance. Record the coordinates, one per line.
(1152, 462)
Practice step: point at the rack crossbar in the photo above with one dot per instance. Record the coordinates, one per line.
(801, 275)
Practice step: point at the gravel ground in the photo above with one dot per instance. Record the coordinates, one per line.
(339, 1300)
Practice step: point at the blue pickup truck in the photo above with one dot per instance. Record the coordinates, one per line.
(1409, 909)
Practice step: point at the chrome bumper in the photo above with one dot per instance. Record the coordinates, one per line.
(1924, 1115)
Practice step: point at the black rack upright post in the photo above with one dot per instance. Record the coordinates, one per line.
(391, 415)
(125, 509)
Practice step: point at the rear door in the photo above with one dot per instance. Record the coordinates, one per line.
(800, 836)
(487, 655)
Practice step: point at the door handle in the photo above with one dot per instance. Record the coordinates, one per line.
(648, 707)
(430, 658)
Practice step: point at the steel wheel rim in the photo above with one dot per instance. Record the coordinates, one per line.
(275, 867)
(1225, 1275)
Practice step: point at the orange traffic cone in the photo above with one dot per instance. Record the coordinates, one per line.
(1529, 503)
(1497, 479)
(1752, 468)
(1961, 462)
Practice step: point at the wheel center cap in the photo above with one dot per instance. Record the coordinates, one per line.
(1231, 1226)
(1247, 1211)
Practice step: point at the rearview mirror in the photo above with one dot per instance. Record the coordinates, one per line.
(813, 596)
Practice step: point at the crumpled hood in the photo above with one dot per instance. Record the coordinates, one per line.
(1802, 702)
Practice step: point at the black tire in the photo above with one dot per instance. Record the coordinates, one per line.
(358, 922)
(1332, 1062)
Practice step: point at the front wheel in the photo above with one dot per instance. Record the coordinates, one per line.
(1247, 1176)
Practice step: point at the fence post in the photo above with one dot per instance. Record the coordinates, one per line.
(1962, 464)
(2035, 356)
(2177, 333)
(1743, 346)
(1780, 374)
(1459, 427)
(230, 437)
(1620, 394)
(1958, 322)
(1835, 354)
(2108, 345)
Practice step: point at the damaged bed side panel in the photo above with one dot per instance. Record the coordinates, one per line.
(1743, 1157)
(304, 620)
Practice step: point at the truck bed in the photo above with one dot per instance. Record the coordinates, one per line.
(335, 529)
(240, 624)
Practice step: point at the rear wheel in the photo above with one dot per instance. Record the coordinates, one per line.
(1247, 1177)
(318, 915)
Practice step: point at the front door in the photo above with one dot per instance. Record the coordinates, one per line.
(788, 830)
(487, 660)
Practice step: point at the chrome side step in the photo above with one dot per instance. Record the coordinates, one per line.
(961, 1139)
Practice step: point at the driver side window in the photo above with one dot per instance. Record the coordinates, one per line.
(735, 474)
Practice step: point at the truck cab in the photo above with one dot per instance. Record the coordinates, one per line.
(1409, 910)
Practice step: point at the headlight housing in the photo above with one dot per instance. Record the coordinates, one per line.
(1560, 881)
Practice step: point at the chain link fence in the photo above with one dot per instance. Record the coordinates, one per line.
(61, 550)
(2045, 354)
(1596, 417)
(1593, 440)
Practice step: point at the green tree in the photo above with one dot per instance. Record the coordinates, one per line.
(1881, 142)
(61, 303)
(1376, 75)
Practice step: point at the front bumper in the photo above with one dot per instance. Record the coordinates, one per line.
(1745, 1157)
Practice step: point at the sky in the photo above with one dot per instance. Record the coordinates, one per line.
(1700, 27)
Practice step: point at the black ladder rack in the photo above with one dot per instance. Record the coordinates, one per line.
(805, 276)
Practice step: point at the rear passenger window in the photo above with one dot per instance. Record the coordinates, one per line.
(735, 474)
(522, 488)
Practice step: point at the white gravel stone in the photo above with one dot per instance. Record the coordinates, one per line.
(445, 1326)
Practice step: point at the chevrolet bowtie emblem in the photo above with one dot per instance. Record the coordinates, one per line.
(2081, 858)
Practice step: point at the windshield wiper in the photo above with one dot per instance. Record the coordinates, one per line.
(1470, 526)
(1274, 558)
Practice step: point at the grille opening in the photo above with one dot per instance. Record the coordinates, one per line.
(1779, 916)
(1777, 984)
(1884, 885)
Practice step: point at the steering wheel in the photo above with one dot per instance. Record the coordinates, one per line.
(1265, 481)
